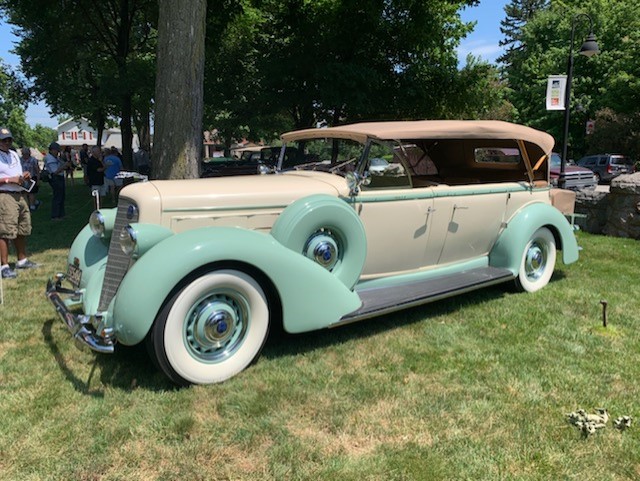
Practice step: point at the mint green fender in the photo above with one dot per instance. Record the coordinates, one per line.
(507, 251)
(89, 253)
(311, 297)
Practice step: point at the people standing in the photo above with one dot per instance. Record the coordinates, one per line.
(15, 217)
(95, 171)
(84, 158)
(113, 165)
(68, 159)
(56, 166)
(30, 164)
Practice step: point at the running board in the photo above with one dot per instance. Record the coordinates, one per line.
(382, 300)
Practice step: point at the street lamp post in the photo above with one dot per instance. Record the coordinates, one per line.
(588, 49)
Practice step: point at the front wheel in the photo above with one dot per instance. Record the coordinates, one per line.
(538, 261)
(212, 328)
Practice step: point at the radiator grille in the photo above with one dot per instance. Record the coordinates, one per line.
(118, 262)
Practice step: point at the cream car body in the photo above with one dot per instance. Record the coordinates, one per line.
(201, 269)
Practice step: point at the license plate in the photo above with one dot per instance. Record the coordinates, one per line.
(74, 274)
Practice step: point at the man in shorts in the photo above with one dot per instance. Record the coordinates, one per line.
(15, 217)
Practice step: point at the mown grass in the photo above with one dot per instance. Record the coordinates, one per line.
(475, 387)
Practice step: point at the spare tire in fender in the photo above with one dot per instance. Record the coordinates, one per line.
(328, 231)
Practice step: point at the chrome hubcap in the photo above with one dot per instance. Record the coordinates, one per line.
(535, 260)
(215, 326)
(322, 247)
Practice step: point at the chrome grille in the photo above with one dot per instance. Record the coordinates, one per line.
(118, 262)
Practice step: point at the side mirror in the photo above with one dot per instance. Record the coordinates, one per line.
(265, 169)
(355, 181)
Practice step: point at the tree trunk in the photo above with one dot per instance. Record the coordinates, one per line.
(142, 121)
(98, 121)
(177, 148)
(126, 130)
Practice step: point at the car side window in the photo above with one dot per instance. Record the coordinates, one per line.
(602, 160)
(386, 167)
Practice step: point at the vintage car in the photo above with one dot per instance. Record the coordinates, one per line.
(201, 269)
(250, 160)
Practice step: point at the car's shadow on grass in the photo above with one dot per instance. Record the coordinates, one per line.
(128, 369)
(131, 368)
(283, 344)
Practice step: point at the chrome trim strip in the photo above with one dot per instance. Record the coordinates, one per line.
(224, 208)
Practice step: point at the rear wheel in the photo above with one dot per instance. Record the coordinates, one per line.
(538, 261)
(212, 328)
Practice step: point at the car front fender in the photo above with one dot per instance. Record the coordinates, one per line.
(88, 253)
(507, 251)
(310, 296)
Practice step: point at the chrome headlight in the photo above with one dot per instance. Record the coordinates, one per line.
(128, 240)
(97, 224)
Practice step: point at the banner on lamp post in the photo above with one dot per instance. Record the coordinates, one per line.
(556, 87)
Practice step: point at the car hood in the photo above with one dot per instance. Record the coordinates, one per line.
(568, 168)
(230, 193)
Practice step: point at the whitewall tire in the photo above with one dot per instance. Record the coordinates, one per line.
(538, 261)
(212, 329)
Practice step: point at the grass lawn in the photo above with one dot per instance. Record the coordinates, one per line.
(475, 388)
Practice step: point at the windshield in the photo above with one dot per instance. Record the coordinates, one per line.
(327, 154)
(621, 160)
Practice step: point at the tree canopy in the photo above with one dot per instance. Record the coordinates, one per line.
(86, 58)
(608, 83)
(270, 65)
(296, 64)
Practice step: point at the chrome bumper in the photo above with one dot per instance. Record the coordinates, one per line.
(81, 326)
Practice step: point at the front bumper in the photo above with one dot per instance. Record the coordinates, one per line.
(81, 326)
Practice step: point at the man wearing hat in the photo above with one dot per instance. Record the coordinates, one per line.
(15, 217)
(56, 167)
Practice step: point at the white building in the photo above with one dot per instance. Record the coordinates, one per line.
(74, 133)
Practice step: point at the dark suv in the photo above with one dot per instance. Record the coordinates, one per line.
(576, 178)
(607, 166)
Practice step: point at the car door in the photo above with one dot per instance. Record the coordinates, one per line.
(397, 219)
(466, 220)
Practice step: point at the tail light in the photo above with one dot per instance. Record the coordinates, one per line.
(609, 169)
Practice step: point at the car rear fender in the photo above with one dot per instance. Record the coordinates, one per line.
(310, 296)
(507, 251)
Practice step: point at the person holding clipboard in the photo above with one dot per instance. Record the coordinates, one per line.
(15, 216)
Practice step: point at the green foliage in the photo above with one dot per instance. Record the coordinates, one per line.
(41, 137)
(474, 387)
(274, 65)
(615, 133)
(13, 100)
(608, 80)
(91, 61)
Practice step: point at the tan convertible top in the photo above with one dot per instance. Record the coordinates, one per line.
(429, 129)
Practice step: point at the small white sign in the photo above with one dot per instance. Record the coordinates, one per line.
(556, 86)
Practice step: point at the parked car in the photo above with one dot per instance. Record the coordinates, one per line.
(201, 269)
(251, 160)
(576, 177)
(607, 166)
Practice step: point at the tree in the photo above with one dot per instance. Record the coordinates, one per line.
(518, 13)
(179, 89)
(42, 136)
(610, 79)
(88, 65)
(294, 64)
